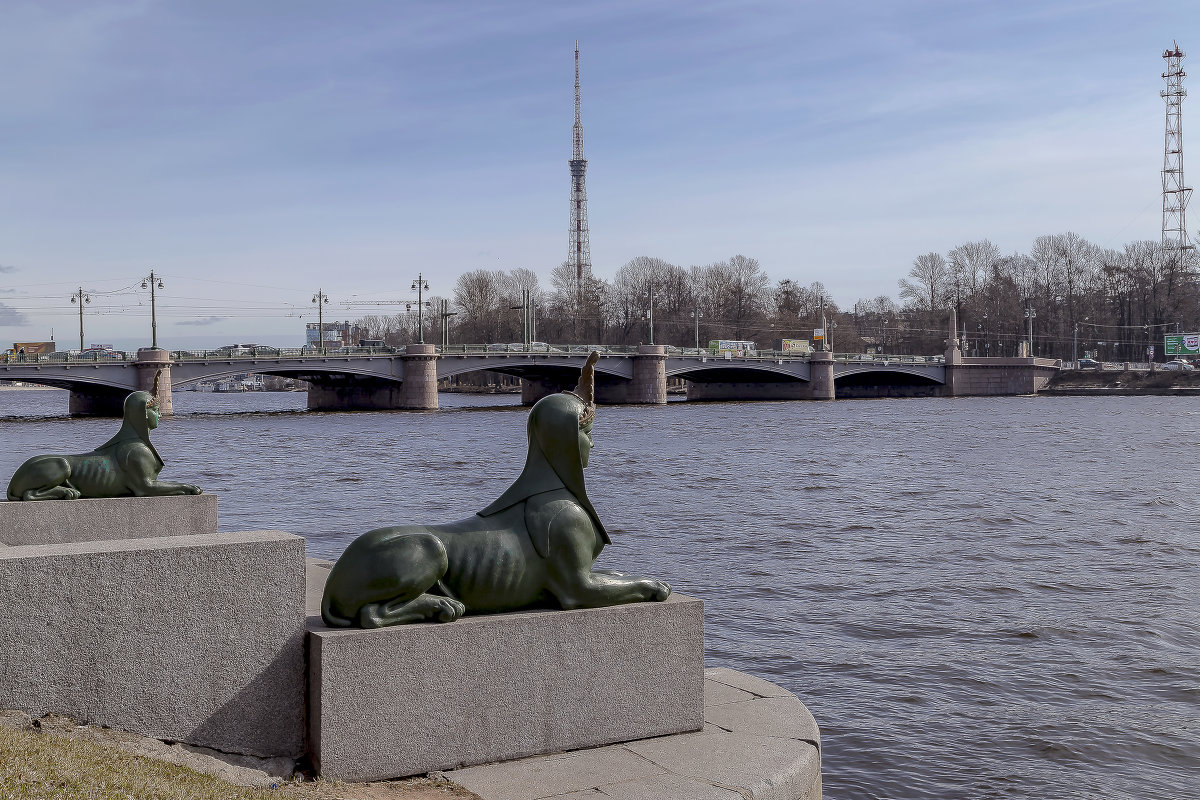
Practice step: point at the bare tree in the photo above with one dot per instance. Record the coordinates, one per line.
(929, 288)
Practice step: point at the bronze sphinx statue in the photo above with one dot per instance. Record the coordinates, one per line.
(127, 465)
(534, 546)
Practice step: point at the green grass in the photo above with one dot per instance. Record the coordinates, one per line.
(50, 766)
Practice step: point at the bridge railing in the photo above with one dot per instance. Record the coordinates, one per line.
(68, 357)
(880, 358)
(224, 354)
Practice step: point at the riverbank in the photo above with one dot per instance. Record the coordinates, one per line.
(1086, 382)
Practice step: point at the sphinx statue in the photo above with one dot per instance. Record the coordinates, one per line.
(127, 465)
(533, 547)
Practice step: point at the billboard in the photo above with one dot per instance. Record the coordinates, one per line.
(734, 346)
(33, 348)
(797, 346)
(1182, 344)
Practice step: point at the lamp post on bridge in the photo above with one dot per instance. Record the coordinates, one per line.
(420, 286)
(651, 315)
(152, 281)
(445, 314)
(81, 298)
(696, 315)
(1075, 346)
(1030, 313)
(321, 299)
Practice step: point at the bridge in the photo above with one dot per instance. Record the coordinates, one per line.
(407, 378)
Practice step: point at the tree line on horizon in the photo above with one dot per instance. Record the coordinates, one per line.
(1116, 301)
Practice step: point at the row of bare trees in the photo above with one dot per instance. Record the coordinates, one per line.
(730, 299)
(1111, 302)
(1079, 296)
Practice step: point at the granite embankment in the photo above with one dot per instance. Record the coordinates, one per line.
(1124, 382)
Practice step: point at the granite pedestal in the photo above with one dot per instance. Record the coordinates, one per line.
(195, 639)
(59, 521)
(410, 699)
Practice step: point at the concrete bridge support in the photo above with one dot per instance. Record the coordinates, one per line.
(345, 393)
(820, 376)
(780, 390)
(150, 363)
(649, 384)
(534, 389)
(97, 401)
(419, 390)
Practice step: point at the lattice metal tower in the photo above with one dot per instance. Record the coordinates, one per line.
(1175, 193)
(580, 256)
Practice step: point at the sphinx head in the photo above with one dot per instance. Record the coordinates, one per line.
(564, 420)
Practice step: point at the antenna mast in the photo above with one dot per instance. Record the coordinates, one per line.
(1175, 193)
(580, 255)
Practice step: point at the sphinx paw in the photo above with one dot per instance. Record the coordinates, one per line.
(659, 590)
(449, 610)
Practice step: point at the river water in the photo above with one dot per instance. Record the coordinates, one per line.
(976, 597)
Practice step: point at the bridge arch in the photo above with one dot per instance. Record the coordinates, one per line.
(873, 381)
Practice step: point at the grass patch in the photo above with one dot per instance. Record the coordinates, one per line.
(49, 765)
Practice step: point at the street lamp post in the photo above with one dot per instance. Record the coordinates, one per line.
(651, 316)
(445, 314)
(1075, 346)
(81, 298)
(321, 299)
(152, 281)
(696, 315)
(420, 286)
(1030, 313)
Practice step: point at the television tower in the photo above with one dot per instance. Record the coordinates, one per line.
(580, 255)
(1175, 193)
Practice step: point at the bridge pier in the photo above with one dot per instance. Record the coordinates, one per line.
(150, 362)
(649, 384)
(776, 390)
(97, 401)
(534, 389)
(417, 390)
(820, 376)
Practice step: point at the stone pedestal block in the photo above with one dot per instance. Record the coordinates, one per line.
(414, 698)
(61, 521)
(152, 362)
(196, 639)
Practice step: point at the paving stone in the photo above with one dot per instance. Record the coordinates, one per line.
(764, 767)
(786, 717)
(316, 572)
(759, 762)
(672, 787)
(61, 521)
(550, 776)
(716, 694)
(747, 683)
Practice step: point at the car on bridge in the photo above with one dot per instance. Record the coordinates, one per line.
(1087, 363)
(1177, 365)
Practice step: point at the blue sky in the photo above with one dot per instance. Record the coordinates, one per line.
(252, 153)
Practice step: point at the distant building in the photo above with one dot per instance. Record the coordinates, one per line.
(337, 334)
